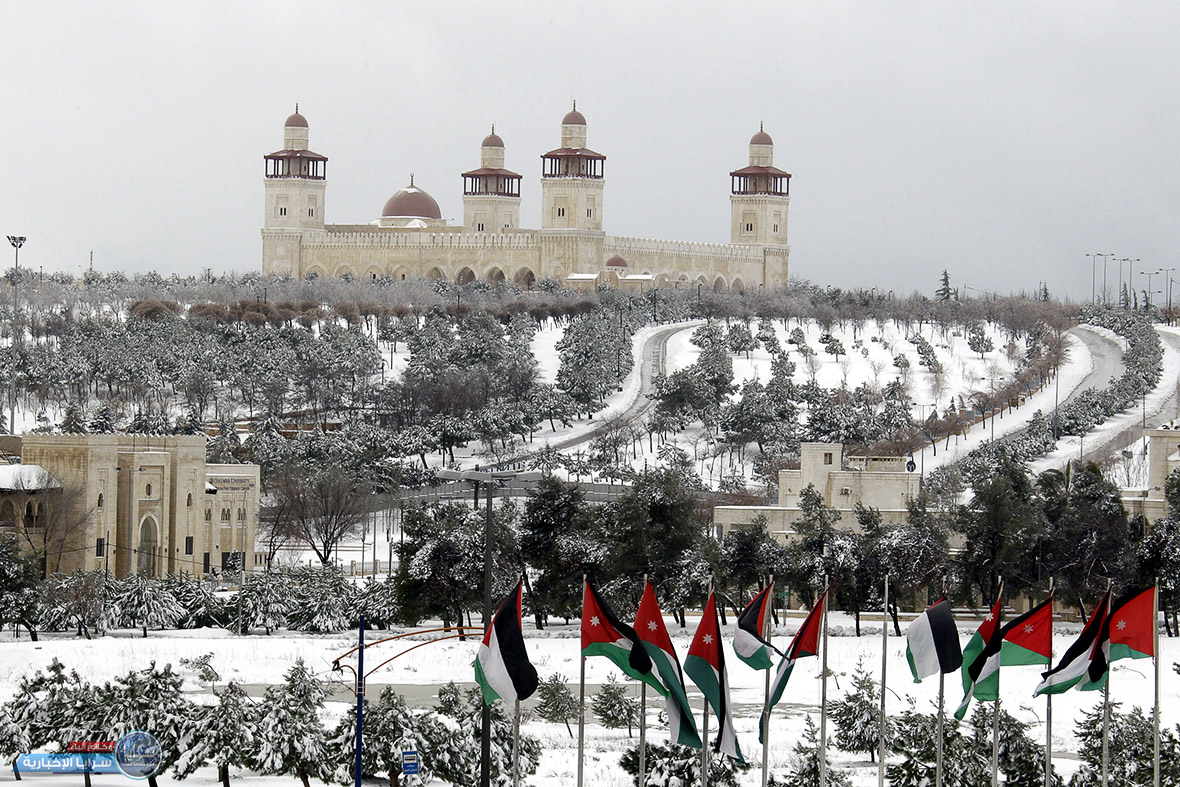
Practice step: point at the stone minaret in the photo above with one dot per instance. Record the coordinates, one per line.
(572, 180)
(491, 194)
(294, 181)
(759, 197)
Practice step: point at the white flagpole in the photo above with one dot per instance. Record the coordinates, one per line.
(823, 699)
(582, 699)
(766, 700)
(884, 664)
(1049, 712)
(643, 720)
(705, 722)
(516, 746)
(1155, 659)
(996, 707)
(938, 743)
(1106, 701)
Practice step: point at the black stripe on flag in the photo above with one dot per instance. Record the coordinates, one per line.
(510, 639)
(639, 659)
(946, 637)
(1084, 644)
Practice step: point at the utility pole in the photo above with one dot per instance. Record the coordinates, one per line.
(17, 241)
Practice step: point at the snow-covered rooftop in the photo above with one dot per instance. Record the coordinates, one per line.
(26, 478)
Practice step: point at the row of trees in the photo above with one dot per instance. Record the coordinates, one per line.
(281, 733)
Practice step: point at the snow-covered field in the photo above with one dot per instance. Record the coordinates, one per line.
(257, 660)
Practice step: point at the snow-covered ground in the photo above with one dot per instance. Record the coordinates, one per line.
(257, 660)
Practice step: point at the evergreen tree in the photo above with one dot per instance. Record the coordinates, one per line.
(916, 740)
(200, 606)
(320, 600)
(225, 734)
(390, 727)
(978, 341)
(290, 735)
(20, 586)
(614, 708)
(804, 765)
(556, 702)
(73, 420)
(148, 603)
(944, 293)
(456, 760)
(223, 448)
(740, 340)
(668, 766)
(266, 600)
(1131, 749)
(103, 420)
(1021, 759)
(149, 699)
(857, 716)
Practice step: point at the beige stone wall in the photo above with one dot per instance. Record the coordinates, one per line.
(571, 203)
(494, 212)
(758, 219)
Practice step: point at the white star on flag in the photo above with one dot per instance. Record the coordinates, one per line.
(708, 639)
(594, 621)
(1122, 624)
(651, 624)
(1028, 629)
(989, 617)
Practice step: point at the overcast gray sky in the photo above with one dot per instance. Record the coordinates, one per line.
(1002, 141)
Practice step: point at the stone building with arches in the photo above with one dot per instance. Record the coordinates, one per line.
(411, 239)
(151, 504)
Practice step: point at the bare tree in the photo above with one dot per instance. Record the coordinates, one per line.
(54, 516)
(321, 506)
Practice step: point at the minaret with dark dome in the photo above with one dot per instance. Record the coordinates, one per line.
(759, 196)
(572, 179)
(491, 194)
(295, 179)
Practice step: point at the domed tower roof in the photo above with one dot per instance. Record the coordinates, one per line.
(296, 120)
(492, 140)
(761, 138)
(412, 201)
(574, 117)
(616, 262)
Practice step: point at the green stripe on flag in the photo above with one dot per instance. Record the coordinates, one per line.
(1118, 650)
(621, 657)
(489, 696)
(1012, 655)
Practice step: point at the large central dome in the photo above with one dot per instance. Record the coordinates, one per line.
(411, 202)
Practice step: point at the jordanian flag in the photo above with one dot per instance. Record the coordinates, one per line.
(649, 625)
(502, 667)
(981, 660)
(603, 634)
(706, 666)
(1127, 633)
(748, 643)
(805, 643)
(1075, 664)
(932, 642)
(1028, 639)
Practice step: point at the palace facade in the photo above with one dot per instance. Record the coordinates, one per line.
(410, 239)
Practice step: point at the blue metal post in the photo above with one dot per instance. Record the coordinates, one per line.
(360, 701)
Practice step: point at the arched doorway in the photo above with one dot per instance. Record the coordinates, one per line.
(737, 286)
(435, 273)
(465, 277)
(145, 551)
(719, 285)
(525, 279)
(495, 276)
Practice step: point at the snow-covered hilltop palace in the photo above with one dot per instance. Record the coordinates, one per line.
(412, 240)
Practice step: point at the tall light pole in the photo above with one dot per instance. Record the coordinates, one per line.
(489, 479)
(1093, 275)
(17, 241)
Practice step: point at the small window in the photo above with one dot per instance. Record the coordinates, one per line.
(208, 514)
(560, 212)
(188, 545)
(241, 515)
(225, 515)
(205, 563)
(282, 211)
(479, 227)
(589, 213)
(100, 499)
(372, 277)
(827, 457)
(311, 212)
(749, 227)
(100, 547)
(190, 500)
(147, 492)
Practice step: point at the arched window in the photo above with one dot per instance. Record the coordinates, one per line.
(100, 499)
(190, 499)
(30, 515)
(208, 514)
(225, 515)
(241, 515)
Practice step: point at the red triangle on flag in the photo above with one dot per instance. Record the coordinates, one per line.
(595, 626)
(1131, 624)
(649, 623)
(706, 643)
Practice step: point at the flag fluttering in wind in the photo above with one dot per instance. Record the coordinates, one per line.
(932, 642)
(502, 667)
(805, 643)
(603, 634)
(705, 664)
(748, 643)
(1127, 633)
(649, 625)
(1075, 664)
(981, 660)
(1028, 639)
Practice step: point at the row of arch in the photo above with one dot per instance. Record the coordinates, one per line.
(524, 277)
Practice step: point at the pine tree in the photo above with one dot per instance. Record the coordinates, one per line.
(200, 606)
(73, 420)
(266, 600)
(740, 340)
(944, 292)
(225, 733)
(291, 736)
(804, 764)
(857, 716)
(556, 702)
(320, 600)
(669, 766)
(456, 757)
(614, 708)
(149, 699)
(1130, 749)
(978, 341)
(148, 603)
(390, 727)
(103, 420)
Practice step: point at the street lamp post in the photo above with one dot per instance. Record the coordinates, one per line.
(489, 479)
(1093, 275)
(17, 241)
